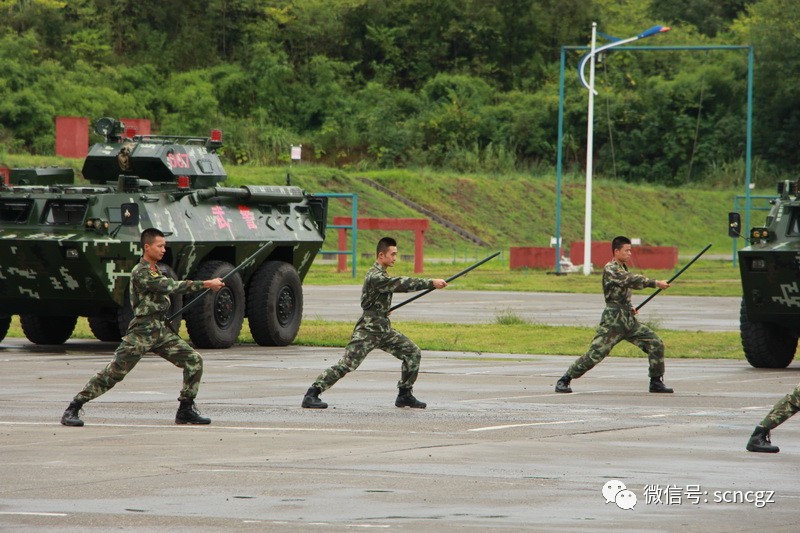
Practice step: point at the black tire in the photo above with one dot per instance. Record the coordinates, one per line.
(275, 304)
(105, 328)
(48, 329)
(125, 313)
(766, 345)
(5, 323)
(216, 320)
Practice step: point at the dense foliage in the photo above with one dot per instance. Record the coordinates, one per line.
(460, 84)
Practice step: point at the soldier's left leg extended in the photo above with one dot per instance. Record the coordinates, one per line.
(403, 348)
(650, 343)
(783, 410)
(175, 350)
(409, 353)
(780, 413)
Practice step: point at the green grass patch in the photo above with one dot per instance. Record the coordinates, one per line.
(512, 338)
(527, 339)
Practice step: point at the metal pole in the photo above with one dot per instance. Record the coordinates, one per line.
(558, 158)
(354, 220)
(587, 229)
(749, 139)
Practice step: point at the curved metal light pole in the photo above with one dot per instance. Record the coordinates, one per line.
(587, 230)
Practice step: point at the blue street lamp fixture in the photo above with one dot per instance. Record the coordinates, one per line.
(587, 232)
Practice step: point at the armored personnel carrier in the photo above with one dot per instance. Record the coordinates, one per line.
(770, 270)
(67, 249)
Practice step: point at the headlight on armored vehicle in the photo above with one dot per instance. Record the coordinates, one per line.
(98, 225)
(71, 253)
(760, 234)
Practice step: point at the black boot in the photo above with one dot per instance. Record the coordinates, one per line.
(311, 399)
(562, 385)
(759, 441)
(657, 385)
(72, 416)
(188, 413)
(406, 399)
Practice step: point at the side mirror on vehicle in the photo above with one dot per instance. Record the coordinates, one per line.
(130, 214)
(734, 225)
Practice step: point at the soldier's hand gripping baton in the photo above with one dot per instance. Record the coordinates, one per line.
(448, 280)
(247, 262)
(675, 276)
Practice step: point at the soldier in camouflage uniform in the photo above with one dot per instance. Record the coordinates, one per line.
(149, 331)
(781, 412)
(619, 322)
(374, 330)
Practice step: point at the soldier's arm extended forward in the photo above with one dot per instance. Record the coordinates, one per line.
(626, 280)
(161, 284)
(384, 283)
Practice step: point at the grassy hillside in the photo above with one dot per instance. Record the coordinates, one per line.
(515, 210)
(520, 210)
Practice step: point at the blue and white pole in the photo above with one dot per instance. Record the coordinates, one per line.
(587, 229)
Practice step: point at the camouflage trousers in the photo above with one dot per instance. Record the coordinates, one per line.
(367, 336)
(619, 325)
(783, 410)
(141, 338)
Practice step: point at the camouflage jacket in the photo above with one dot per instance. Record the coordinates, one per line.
(150, 290)
(376, 294)
(618, 284)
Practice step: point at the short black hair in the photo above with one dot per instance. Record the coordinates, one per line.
(149, 235)
(384, 244)
(619, 242)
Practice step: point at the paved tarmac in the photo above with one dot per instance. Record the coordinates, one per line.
(496, 449)
(341, 302)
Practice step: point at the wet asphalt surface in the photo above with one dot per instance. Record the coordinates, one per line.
(693, 313)
(496, 449)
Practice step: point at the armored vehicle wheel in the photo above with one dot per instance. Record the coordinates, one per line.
(766, 345)
(47, 329)
(5, 323)
(216, 321)
(105, 328)
(275, 304)
(125, 313)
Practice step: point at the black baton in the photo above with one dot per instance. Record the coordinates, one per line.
(675, 276)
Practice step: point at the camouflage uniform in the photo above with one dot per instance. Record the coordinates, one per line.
(783, 410)
(148, 331)
(618, 323)
(374, 330)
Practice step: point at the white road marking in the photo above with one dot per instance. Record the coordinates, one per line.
(534, 396)
(203, 427)
(509, 426)
(22, 513)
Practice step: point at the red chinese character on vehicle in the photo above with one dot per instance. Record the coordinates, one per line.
(248, 216)
(222, 222)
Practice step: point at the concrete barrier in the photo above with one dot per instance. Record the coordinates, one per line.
(72, 136)
(644, 257)
(532, 257)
